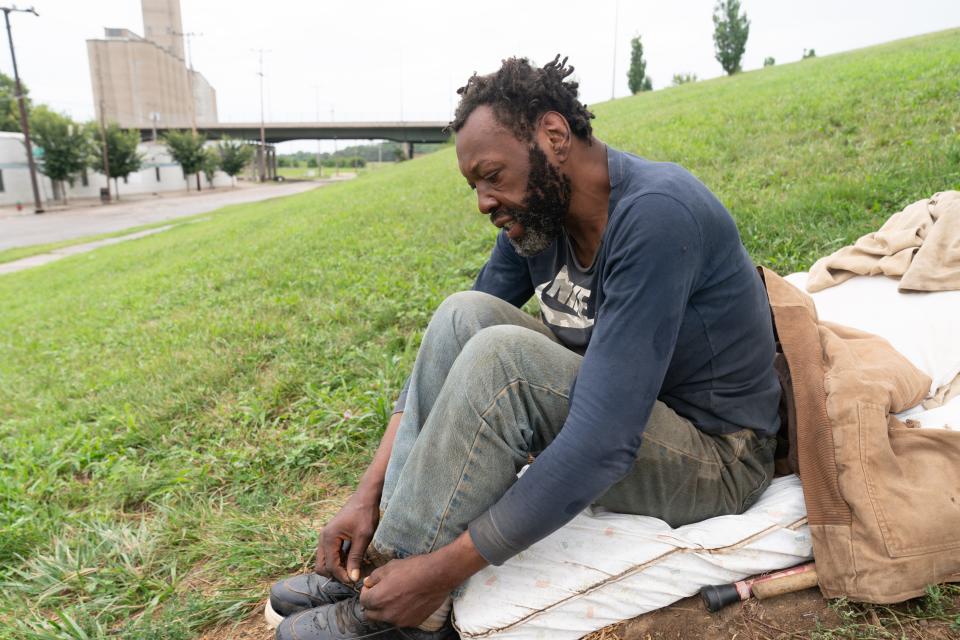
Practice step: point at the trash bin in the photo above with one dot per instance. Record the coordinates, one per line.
(104, 194)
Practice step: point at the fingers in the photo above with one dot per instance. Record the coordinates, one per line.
(333, 558)
(355, 556)
(371, 580)
(369, 602)
(318, 563)
(373, 601)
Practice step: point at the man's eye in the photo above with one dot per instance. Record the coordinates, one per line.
(493, 177)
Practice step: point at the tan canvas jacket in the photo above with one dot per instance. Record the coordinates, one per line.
(883, 499)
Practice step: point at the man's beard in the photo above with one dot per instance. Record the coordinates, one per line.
(544, 207)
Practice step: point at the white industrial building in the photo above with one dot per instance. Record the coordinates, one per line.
(158, 173)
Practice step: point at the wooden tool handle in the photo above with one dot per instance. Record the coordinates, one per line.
(786, 584)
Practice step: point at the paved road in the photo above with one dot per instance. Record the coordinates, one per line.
(25, 228)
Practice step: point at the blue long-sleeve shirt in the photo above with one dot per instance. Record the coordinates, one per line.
(671, 309)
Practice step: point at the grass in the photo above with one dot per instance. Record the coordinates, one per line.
(935, 615)
(307, 173)
(811, 154)
(179, 413)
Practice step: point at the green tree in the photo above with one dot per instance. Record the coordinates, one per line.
(211, 162)
(122, 152)
(730, 32)
(234, 156)
(187, 149)
(637, 78)
(684, 78)
(67, 146)
(769, 61)
(9, 109)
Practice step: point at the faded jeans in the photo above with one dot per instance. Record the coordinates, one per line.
(489, 389)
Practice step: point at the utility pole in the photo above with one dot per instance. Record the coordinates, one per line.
(263, 134)
(336, 160)
(24, 122)
(616, 18)
(187, 35)
(103, 126)
(319, 166)
(189, 70)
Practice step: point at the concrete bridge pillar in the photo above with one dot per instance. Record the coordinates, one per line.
(408, 150)
(261, 161)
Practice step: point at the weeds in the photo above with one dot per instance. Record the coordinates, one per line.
(936, 614)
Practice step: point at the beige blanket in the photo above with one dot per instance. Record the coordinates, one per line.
(920, 245)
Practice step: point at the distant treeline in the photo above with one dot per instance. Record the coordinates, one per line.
(355, 155)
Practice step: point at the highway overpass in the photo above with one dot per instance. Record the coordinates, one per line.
(404, 132)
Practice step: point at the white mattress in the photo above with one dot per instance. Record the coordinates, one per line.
(604, 567)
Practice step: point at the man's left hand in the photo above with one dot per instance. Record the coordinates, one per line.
(405, 592)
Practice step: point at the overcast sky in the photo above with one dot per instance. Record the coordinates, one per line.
(387, 60)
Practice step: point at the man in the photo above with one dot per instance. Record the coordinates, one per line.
(647, 387)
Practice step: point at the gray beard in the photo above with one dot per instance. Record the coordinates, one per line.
(533, 241)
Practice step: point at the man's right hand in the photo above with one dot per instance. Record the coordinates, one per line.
(356, 522)
(358, 518)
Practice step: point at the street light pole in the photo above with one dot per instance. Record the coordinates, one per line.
(105, 148)
(336, 160)
(189, 69)
(319, 166)
(616, 18)
(263, 135)
(24, 123)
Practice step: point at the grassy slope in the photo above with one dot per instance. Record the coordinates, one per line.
(809, 155)
(178, 412)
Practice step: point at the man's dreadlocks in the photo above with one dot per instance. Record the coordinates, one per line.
(520, 93)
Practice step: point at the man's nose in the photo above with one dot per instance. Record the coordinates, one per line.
(486, 202)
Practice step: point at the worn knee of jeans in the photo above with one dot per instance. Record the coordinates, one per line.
(495, 357)
(462, 315)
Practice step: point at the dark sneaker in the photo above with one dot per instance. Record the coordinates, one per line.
(303, 592)
(345, 620)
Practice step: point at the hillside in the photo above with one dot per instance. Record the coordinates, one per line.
(809, 155)
(179, 413)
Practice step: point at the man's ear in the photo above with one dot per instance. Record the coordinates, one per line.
(554, 132)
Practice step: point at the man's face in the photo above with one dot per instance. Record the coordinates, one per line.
(516, 184)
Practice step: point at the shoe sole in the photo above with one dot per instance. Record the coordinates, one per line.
(273, 618)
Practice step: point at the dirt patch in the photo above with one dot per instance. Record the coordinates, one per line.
(795, 615)
(253, 628)
(791, 615)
